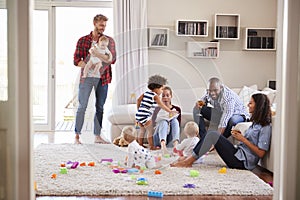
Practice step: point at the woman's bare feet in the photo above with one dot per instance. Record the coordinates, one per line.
(164, 150)
(188, 162)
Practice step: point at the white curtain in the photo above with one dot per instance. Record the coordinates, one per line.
(131, 68)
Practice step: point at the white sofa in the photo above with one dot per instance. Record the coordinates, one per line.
(123, 115)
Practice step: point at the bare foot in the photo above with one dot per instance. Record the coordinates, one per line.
(180, 164)
(77, 140)
(100, 140)
(165, 151)
(188, 162)
(153, 148)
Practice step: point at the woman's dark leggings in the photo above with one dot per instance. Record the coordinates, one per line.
(224, 147)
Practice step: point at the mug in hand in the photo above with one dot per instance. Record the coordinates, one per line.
(201, 103)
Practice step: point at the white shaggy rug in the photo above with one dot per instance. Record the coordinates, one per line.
(100, 180)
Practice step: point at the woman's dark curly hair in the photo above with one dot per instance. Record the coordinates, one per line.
(262, 112)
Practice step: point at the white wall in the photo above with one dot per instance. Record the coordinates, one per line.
(234, 66)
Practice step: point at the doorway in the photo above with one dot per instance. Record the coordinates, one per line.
(56, 31)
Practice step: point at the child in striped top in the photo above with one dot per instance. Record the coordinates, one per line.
(146, 104)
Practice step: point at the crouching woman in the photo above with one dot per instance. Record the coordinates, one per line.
(253, 145)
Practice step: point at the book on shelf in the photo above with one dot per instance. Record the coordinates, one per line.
(221, 31)
(252, 32)
(203, 29)
(165, 39)
(254, 42)
(159, 40)
(270, 42)
(206, 52)
(232, 32)
(155, 40)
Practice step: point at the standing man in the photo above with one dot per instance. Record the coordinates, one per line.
(99, 83)
(221, 106)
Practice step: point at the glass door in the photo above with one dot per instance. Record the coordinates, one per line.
(55, 79)
(71, 24)
(41, 75)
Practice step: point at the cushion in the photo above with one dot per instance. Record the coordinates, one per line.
(122, 114)
(246, 92)
(271, 94)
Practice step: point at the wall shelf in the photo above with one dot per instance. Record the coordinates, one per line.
(227, 26)
(196, 28)
(260, 39)
(158, 37)
(202, 49)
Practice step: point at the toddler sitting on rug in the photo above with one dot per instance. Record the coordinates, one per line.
(185, 148)
(137, 154)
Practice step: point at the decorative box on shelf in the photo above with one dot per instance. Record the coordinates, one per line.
(197, 28)
(227, 26)
(158, 37)
(260, 39)
(202, 49)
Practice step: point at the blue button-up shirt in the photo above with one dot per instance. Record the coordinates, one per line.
(259, 136)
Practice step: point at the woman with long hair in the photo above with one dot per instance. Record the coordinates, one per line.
(253, 145)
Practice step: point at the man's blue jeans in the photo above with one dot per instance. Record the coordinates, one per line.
(84, 92)
(162, 132)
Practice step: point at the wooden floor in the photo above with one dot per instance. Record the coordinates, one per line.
(68, 137)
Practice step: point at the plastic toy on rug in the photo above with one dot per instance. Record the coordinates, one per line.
(194, 173)
(119, 170)
(132, 170)
(63, 170)
(72, 165)
(155, 194)
(106, 160)
(189, 185)
(222, 170)
(53, 176)
(142, 181)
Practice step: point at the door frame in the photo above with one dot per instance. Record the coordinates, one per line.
(51, 7)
